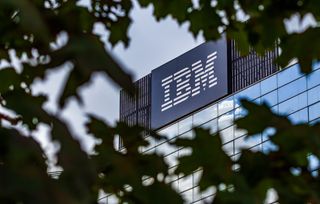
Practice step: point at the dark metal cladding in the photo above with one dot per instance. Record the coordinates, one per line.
(137, 110)
(243, 71)
(246, 70)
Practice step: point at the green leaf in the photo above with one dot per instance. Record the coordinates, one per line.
(208, 155)
(29, 108)
(88, 56)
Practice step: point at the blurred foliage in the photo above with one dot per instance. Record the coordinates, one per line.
(32, 30)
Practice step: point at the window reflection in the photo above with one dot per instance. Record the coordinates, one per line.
(291, 99)
(313, 79)
(316, 65)
(268, 146)
(205, 115)
(185, 125)
(313, 95)
(227, 134)
(267, 133)
(228, 148)
(242, 143)
(189, 134)
(212, 125)
(249, 93)
(271, 98)
(293, 104)
(314, 162)
(188, 196)
(225, 105)
(166, 149)
(239, 132)
(225, 120)
(288, 75)
(171, 159)
(240, 113)
(299, 117)
(314, 111)
(268, 84)
(292, 89)
(170, 131)
(185, 183)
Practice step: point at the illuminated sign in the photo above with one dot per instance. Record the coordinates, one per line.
(189, 82)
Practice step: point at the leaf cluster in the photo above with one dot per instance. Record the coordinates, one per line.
(46, 34)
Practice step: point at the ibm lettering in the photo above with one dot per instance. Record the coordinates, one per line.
(203, 79)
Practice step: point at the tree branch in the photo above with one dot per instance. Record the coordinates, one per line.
(11, 120)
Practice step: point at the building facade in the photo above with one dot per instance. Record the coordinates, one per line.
(287, 92)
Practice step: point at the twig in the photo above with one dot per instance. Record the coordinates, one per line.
(11, 120)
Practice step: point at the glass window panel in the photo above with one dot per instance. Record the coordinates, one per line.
(299, 117)
(268, 84)
(112, 199)
(147, 180)
(188, 196)
(257, 100)
(148, 151)
(293, 104)
(236, 157)
(185, 125)
(316, 65)
(170, 132)
(314, 121)
(249, 93)
(239, 132)
(171, 159)
(227, 134)
(241, 143)
(292, 89)
(314, 162)
(225, 120)
(175, 185)
(205, 115)
(152, 143)
(185, 151)
(314, 111)
(166, 149)
(240, 113)
(189, 134)
(267, 133)
(268, 146)
(225, 105)
(314, 95)
(212, 125)
(208, 199)
(275, 109)
(196, 195)
(185, 183)
(208, 192)
(256, 148)
(228, 148)
(196, 177)
(289, 75)
(271, 98)
(313, 79)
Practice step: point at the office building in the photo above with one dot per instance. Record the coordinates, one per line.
(287, 91)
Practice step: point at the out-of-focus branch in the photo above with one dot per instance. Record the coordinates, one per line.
(11, 120)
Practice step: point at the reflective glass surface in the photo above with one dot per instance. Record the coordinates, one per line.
(288, 92)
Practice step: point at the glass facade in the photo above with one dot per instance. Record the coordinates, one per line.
(287, 92)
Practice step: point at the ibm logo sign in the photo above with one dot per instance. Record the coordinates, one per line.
(189, 82)
(181, 81)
